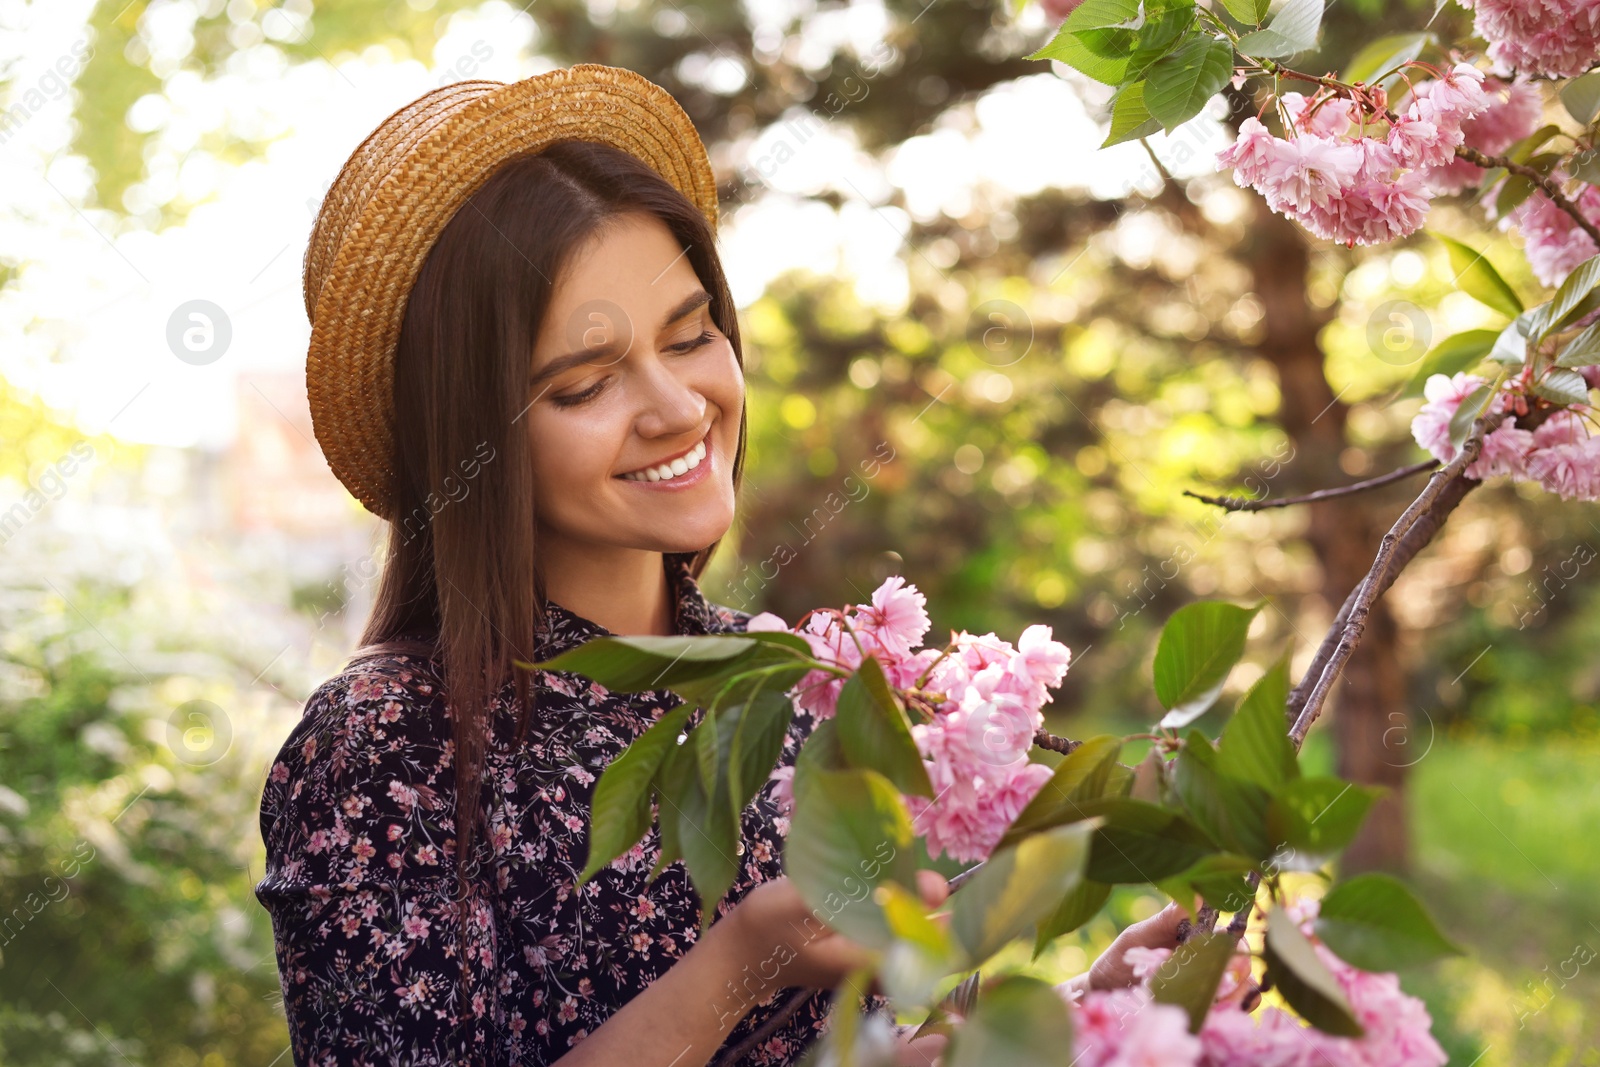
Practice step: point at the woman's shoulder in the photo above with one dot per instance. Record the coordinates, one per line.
(381, 709)
(397, 688)
(372, 751)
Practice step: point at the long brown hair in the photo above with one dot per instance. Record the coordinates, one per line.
(459, 576)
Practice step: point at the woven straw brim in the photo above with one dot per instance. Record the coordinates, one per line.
(394, 197)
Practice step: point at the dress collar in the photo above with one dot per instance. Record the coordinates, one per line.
(693, 614)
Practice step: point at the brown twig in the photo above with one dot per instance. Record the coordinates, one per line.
(1371, 586)
(1414, 542)
(1546, 184)
(1046, 739)
(1244, 503)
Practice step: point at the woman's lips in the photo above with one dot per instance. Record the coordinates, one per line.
(690, 477)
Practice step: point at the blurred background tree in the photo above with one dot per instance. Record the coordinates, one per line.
(1013, 434)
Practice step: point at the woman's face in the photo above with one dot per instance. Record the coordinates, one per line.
(629, 374)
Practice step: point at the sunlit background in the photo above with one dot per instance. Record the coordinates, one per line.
(930, 255)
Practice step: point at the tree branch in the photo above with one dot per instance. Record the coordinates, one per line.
(1414, 542)
(1373, 584)
(1244, 503)
(1046, 739)
(1546, 184)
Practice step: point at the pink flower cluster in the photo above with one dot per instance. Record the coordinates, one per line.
(1552, 240)
(1560, 455)
(1513, 112)
(1560, 38)
(1340, 182)
(1127, 1028)
(1397, 1026)
(987, 697)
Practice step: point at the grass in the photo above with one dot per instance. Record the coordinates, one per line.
(1507, 853)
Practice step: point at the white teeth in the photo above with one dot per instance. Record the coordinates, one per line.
(680, 466)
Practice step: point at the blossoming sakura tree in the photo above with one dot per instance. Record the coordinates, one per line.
(943, 744)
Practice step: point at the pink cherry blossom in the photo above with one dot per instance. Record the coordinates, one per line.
(1505, 451)
(1552, 240)
(1513, 113)
(986, 696)
(1552, 37)
(897, 616)
(1127, 1028)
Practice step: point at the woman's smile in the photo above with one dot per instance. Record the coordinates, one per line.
(689, 467)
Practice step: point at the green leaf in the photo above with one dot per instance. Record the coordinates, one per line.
(1232, 812)
(1579, 284)
(1581, 96)
(707, 833)
(1190, 976)
(821, 752)
(1478, 279)
(1511, 344)
(1585, 165)
(1471, 407)
(959, 1002)
(620, 814)
(1179, 84)
(1583, 350)
(1080, 905)
(1524, 150)
(645, 662)
(757, 744)
(1303, 980)
(678, 761)
(1512, 193)
(1562, 386)
(850, 833)
(1459, 352)
(874, 731)
(1142, 842)
(1017, 887)
(1249, 12)
(1219, 879)
(1018, 1022)
(1293, 29)
(1198, 647)
(922, 953)
(1104, 14)
(1081, 775)
(1130, 119)
(1255, 744)
(1100, 54)
(1380, 61)
(1375, 923)
(1312, 819)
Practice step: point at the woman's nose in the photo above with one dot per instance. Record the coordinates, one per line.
(671, 405)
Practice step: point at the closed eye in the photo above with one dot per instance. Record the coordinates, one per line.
(593, 391)
(689, 346)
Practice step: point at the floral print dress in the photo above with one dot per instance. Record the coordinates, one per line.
(357, 816)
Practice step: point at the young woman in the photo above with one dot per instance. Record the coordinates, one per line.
(568, 437)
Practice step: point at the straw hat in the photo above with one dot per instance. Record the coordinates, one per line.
(393, 198)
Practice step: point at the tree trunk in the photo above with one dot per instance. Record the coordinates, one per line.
(1369, 704)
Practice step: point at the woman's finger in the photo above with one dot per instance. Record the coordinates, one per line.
(934, 888)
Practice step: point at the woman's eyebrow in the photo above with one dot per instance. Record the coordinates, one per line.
(693, 302)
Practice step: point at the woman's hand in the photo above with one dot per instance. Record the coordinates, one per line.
(784, 943)
(1110, 971)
